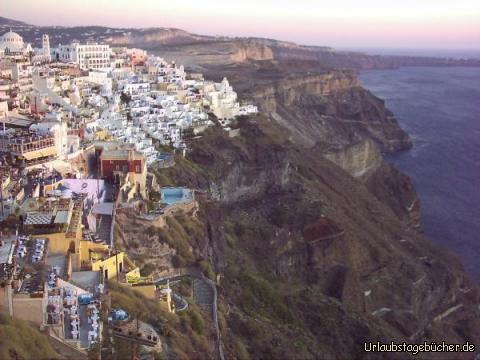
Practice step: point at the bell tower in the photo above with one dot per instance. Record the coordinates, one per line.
(46, 47)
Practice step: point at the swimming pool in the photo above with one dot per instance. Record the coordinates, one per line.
(172, 196)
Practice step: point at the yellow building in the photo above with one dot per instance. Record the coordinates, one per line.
(58, 220)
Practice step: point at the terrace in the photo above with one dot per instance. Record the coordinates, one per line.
(50, 215)
(28, 144)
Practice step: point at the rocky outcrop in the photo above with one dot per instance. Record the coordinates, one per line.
(251, 51)
(155, 37)
(290, 90)
(330, 110)
(395, 189)
(360, 160)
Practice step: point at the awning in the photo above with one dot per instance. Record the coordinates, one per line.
(40, 153)
(32, 155)
(51, 151)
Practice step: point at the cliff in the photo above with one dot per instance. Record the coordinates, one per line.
(251, 51)
(147, 38)
(364, 162)
(305, 251)
(330, 110)
(360, 160)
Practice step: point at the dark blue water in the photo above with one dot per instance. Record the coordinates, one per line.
(440, 109)
(442, 53)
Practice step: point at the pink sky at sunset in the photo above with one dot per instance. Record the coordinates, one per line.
(341, 23)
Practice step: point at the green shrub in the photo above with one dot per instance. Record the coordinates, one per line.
(259, 295)
(196, 321)
(240, 350)
(207, 270)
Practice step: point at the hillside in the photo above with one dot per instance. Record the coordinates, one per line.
(205, 51)
(310, 260)
(10, 22)
(18, 340)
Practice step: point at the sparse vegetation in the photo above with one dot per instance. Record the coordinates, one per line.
(19, 340)
(207, 269)
(188, 335)
(260, 296)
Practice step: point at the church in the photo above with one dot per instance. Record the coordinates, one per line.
(12, 44)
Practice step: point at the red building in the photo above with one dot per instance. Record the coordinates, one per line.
(115, 164)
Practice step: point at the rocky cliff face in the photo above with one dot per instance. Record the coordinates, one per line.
(396, 190)
(333, 115)
(251, 51)
(364, 162)
(360, 160)
(154, 37)
(287, 226)
(331, 110)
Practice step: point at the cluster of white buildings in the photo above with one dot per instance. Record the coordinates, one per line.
(88, 92)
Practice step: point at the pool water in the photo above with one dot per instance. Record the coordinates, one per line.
(172, 196)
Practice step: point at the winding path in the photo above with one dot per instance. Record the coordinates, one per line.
(204, 294)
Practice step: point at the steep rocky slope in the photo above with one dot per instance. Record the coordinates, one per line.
(330, 109)
(328, 112)
(306, 251)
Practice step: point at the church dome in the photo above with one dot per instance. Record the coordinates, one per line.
(12, 37)
(12, 41)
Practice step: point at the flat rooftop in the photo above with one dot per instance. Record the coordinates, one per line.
(6, 250)
(86, 279)
(17, 121)
(59, 261)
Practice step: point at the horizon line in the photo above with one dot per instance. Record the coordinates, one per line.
(335, 47)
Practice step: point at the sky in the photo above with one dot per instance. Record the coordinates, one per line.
(413, 24)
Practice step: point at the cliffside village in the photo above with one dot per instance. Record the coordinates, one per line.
(81, 128)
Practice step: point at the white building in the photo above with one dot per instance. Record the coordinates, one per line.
(87, 56)
(59, 131)
(222, 100)
(12, 44)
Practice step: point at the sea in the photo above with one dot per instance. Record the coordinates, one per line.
(440, 108)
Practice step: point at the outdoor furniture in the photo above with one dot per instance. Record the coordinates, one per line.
(70, 301)
(84, 299)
